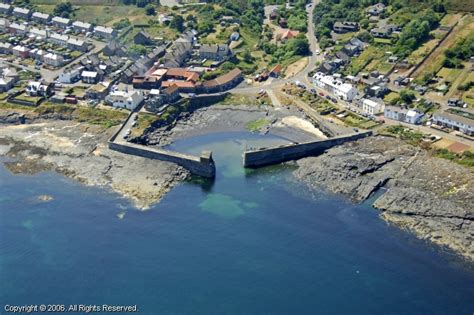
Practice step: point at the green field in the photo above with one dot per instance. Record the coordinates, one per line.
(449, 74)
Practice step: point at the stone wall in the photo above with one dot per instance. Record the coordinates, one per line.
(202, 165)
(275, 155)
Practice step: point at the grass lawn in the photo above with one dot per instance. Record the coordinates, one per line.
(416, 56)
(103, 117)
(256, 125)
(143, 122)
(391, 96)
(385, 41)
(449, 74)
(108, 15)
(24, 97)
(366, 57)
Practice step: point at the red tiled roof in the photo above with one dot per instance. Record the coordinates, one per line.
(179, 84)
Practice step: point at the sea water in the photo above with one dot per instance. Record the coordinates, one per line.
(249, 242)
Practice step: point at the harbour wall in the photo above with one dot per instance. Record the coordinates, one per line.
(202, 165)
(267, 156)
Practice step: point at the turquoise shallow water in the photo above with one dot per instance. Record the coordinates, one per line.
(252, 242)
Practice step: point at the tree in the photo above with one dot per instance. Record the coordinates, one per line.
(137, 50)
(63, 9)
(177, 23)
(150, 9)
(246, 56)
(407, 96)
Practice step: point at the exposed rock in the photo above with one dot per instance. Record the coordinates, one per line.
(430, 196)
(80, 151)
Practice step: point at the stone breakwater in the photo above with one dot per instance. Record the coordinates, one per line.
(429, 196)
(283, 153)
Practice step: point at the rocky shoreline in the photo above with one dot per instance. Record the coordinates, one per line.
(428, 196)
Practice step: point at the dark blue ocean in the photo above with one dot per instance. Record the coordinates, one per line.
(251, 242)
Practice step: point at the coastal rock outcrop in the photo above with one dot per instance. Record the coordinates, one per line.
(430, 196)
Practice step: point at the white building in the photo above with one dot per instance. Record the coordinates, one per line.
(125, 99)
(371, 107)
(90, 77)
(335, 86)
(5, 48)
(16, 28)
(38, 34)
(104, 32)
(22, 13)
(58, 39)
(20, 51)
(60, 21)
(5, 8)
(35, 88)
(411, 116)
(53, 59)
(3, 24)
(40, 17)
(70, 75)
(82, 26)
(76, 44)
(461, 120)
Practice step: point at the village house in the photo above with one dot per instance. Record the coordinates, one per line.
(52, 59)
(17, 29)
(376, 9)
(77, 44)
(40, 17)
(37, 54)
(143, 38)
(60, 22)
(215, 52)
(8, 78)
(382, 32)
(176, 56)
(22, 13)
(58, 39)
(36, 88)
(5, 48)
(371, 107)
(461, 120)
(345, 27)
(171, 94)
(38, 33)
(82, 27)
(411, 116)
(105, 32)
(70, 75)
(128, 99)
(90, 77)
(288, 34)
(234, 36)
(275, 71)
(114, 49)
(20, 51)
(455, 102)
(5, 9)
(4, 24)
(344, 91)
